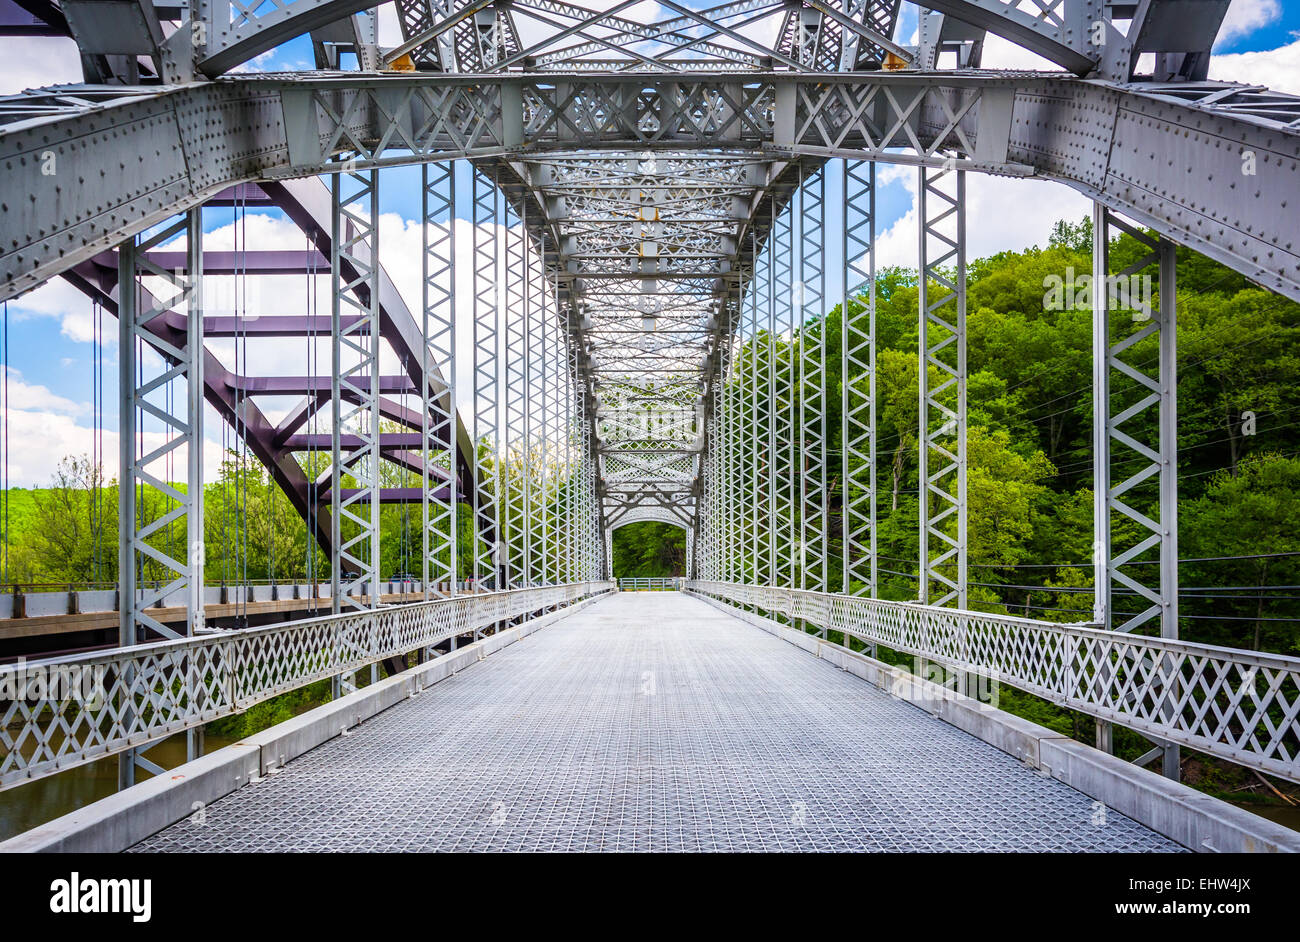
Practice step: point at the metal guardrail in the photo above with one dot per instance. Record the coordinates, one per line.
(650, 584)
(25, 601)
(1239, 705)
(66, 711)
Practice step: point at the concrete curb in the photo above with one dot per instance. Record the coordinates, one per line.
(117, 822)
(1176, 811)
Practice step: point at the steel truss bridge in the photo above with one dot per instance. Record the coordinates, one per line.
(652, 211)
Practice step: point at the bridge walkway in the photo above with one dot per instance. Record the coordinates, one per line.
(654, 722)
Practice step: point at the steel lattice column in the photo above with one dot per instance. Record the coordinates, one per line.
(1127, 385)
(858, 371)
(787, 564)
(516, 497)
(810, 313)
(595, 563)
(765, 419)
(574, 461)
(147, 540)
(147, 388)
(708, 554)
(942, 350)
(558, 562)
(355, 338)
(485, 419)
(545, 360)
(751, 489)
(441, 498)
(734, 510)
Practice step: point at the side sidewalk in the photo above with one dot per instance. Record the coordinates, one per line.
(1180, 813)
(117, 822)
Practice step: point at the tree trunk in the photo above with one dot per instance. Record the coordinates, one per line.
(1232, 445)
(898, 474)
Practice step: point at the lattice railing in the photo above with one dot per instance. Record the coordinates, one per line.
(1239, 705)
(62, 712)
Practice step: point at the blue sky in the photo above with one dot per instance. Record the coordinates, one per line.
(51, 356)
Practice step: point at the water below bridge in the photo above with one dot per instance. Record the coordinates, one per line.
(654, 722)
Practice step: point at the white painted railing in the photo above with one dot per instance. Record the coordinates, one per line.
(62, 712)
(1243, 706)
(649, 584)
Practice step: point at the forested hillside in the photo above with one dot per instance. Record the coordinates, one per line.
(649, 549)
(1030, 441)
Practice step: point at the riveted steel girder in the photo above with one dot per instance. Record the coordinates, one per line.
(1146, 151)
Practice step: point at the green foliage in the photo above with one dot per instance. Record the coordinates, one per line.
(1243, 515)
(1030, 440)
(649, 549)
(269, 712)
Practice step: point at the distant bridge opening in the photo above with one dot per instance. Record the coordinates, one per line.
(649, 549)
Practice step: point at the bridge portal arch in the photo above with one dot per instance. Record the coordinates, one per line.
(649, 515)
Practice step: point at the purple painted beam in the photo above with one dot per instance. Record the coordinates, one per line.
(265, 325)
(252, 262)
(387, 440)
(16, 21)
(275, 325)
(313, 402)
(243, 415)
(307, 203)
(241, 194)
(394, 495)
(303, 385)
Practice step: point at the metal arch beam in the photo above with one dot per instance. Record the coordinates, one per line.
(307, 204)
(229, 47)
(661, 514)
(220, 392)
(1092, 135)
(1065, 41)
(1060, 30)
(46, 11)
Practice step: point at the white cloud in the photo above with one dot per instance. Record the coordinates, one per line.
(58, 299)
(1279, 69)
(259, 63)
(1000, 53)
(1002, 214)
(42, 439)
(44, 428)
(1246, 16)
(37, 61)
(25, 396)
(48, 437)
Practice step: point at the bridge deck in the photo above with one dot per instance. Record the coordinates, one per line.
(655, 722)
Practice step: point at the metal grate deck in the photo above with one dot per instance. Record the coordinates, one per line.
(655, 723)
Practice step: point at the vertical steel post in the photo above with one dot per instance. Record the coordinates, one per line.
(752, 427)
(941, 209)
(515, 499)
(810, 324)
(789, 560)
(156, 563)
(438, 384)
(858, 387)
(773, 455)
(354, 387)
(1124, 388)
(485, 417)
